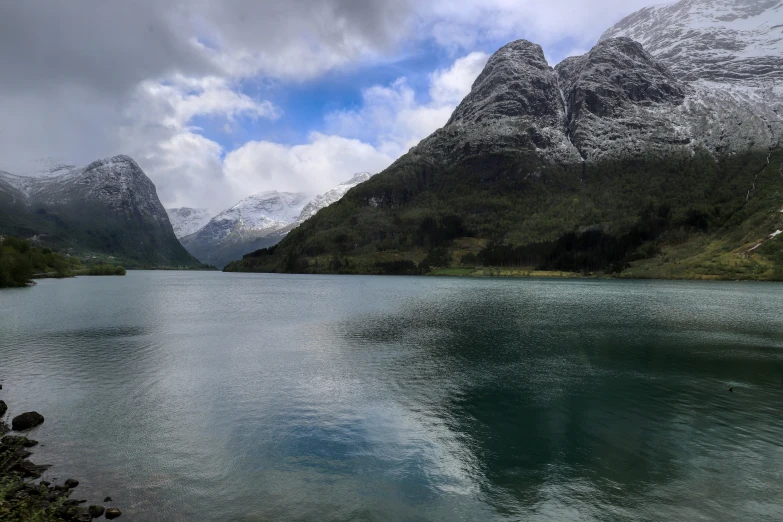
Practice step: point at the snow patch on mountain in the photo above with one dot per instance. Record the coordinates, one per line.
(332, 196)
(732, 41)
(186, 220)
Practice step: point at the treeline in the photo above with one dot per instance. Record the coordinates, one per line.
(20, 262)
(105, 269)
(592, 250)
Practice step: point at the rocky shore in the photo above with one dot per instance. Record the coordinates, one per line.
(23, 496)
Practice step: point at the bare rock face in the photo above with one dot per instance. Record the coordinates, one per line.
(727, 41)
(619, 100)
(730, 53)
(515, 107)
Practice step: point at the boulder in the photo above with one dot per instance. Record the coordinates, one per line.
(113, 513)
(27, 421)
(96, 511)
(107, 499)
(71, 483)
(3, 408)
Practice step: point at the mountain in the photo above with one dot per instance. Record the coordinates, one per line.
(259, 221)
(625, 160)
(187, 220)
(332, 196)
(734, 42)
(107, 208)
(255, 222)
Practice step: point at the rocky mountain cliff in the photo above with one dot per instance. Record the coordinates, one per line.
(730, 55)
(109, 207)
(611, 161)
(259, 221)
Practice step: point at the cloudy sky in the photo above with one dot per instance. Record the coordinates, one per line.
(217, 100)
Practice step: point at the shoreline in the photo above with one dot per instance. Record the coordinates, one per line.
(23, 496)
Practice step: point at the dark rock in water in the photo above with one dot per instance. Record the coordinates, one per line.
(96, 511)
(18, 441)
(71, 483)
(45, 483)
(107, 499)
(113, 513)
(30, 470)
(27, 421)
(3, 408)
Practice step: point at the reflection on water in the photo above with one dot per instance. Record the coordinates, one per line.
(204, 396)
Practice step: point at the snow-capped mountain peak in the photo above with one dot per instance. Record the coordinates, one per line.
(264, 210)
(259, 221)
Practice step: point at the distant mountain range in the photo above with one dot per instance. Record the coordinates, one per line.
(110, 210)
(107, 209)
(656, 154)
(258, 221)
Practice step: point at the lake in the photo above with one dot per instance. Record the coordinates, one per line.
(210, 396)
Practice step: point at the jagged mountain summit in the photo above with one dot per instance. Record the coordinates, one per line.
(599, 163)
(187, 221)
(107, 207)
(259, 221)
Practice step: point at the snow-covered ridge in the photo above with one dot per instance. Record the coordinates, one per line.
(187, 220)
(725, 40)
(115, 182)
(332, 196)
(259, 221)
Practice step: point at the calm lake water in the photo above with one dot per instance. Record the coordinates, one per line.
(209, 396)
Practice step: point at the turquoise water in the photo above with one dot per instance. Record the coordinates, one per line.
(210, 396)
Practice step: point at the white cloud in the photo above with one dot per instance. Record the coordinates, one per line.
(210, 96)
(469, 23)
(313, 167)
(90, 81)
(395, 121)
(186, 166)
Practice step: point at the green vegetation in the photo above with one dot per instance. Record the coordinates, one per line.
(21, 262)
(30, 509)
(102, 270)
(673, 217)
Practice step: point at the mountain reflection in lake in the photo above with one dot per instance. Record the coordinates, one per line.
(206, 396)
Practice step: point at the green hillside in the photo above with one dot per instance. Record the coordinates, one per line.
(674, 217)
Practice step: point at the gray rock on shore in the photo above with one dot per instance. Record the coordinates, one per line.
(27, 421)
